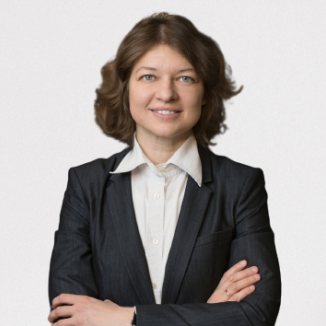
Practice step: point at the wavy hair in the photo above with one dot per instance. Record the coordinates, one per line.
(112, 113)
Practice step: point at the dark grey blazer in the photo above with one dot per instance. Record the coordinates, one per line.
(98, 250)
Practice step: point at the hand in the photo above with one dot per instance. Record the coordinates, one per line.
(88, 311)
(238, 283)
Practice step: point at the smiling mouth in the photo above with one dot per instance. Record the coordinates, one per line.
(165, 111)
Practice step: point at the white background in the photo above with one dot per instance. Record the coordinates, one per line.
(50, 59)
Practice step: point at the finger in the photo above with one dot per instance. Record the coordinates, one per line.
(64, 311)
(242, 294)
(235, 268)
(67, 322)
(63, 298)
(245, 273)
(238, 286)
(247, 282)
(66, 298)
(230, 281)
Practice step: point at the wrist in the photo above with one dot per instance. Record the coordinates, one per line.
(129, 315)
(134, 321)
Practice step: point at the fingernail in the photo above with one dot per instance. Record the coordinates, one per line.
(242, 262)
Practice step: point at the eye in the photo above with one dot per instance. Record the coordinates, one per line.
(147, 76)
(191, 79)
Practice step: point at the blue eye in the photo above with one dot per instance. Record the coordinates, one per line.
(147, 76)
(187, 77)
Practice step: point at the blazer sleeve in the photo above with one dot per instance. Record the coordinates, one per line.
(254, 241)
(71, 261)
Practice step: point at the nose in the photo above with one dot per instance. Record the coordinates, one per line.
(166, 90)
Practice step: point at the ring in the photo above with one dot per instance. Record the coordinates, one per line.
(227, 293)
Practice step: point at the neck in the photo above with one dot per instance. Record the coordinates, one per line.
(160, 149)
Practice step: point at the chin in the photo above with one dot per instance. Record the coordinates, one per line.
(164, 134)
(168, 133)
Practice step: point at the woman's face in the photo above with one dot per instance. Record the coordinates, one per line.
(163, 79)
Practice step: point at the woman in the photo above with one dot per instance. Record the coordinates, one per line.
(166, 208)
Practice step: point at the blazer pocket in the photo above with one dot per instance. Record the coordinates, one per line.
(214, 237)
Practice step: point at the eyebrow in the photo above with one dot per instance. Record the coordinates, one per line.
(154, 69)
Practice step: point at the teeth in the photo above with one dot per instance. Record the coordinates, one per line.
(164, 111)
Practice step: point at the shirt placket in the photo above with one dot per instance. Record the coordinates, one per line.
(155, 241)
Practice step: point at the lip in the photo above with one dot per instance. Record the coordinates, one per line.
(165, 109)
(166, 116)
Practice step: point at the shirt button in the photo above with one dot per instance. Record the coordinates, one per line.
(154, 286)
(155, 241)
(161, 168)
(156, 196)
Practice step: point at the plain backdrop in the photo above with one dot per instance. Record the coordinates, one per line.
(51, 53)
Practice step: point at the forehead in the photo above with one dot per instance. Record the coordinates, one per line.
(162, 56)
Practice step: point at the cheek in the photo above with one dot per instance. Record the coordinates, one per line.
(193, 100)
(138, 102)
(195, 114)
(192, 96)
(139, 96)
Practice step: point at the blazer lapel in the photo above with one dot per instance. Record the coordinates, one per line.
(195, 201)
(191, 217)
(121, 208)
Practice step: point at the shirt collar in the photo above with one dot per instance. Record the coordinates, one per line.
(186, 157)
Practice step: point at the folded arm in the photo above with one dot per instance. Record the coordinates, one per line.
(71, 261)
(254, 241)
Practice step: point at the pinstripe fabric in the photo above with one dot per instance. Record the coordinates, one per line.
(157, 193)
(98, 249)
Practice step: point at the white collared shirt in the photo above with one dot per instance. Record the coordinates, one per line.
(157, 193)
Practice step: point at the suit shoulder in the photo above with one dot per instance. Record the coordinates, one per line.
(100, 166)
(237, 169)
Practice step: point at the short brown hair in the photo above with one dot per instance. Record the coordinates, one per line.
(112, 112)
